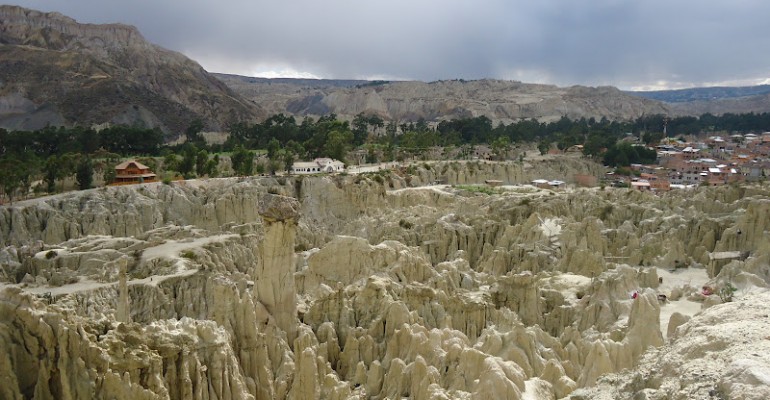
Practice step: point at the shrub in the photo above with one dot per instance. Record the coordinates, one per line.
(606, 211)
(51, 254)
(405, 224)
(726, 292)
(189, 254)
(479, 189)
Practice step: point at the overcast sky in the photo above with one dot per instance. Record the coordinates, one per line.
(630, 44)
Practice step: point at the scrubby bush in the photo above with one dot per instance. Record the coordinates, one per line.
(726, 292)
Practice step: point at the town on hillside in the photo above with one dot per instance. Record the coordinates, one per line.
(712, 161)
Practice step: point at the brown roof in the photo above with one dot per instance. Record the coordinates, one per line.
(125, 165)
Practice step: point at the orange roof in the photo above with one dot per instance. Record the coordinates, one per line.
(126, 164)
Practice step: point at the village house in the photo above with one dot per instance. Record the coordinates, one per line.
(546, 184)
(758, 171)
(319, 165)
(133, 172)
(586, 180)
(641, 185)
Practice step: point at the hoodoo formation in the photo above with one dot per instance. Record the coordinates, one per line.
(274, 275)
(386, 287)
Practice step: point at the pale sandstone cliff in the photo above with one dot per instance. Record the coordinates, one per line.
(401, 291)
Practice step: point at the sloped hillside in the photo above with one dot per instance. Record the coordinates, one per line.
(500, 101)
(57, 71)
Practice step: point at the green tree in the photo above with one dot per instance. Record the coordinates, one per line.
(360, 129)
(14, 175)
(193, 133)
(338, 145)
(212, 166)
(170, 162)
(625, 154)
(273, 165)
(57, 169)
(186, 167)
(242, 160)
(543, 145)
(272, 148)
(201, 163)
(391, 129)
(500, 147)
(288, 159)
(650, 138)
(371, 154)
(85, 173)
(295, 148)
(108, 173)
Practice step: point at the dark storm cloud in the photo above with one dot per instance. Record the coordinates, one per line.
(592, 42)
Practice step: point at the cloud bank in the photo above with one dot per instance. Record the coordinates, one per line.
(629, 44)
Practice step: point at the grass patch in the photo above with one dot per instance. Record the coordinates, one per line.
(479, 189)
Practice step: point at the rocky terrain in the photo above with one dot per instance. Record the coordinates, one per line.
(500, 101)
(704, 93)
(56, 71)
(714, 100)
(737, 105)
(384, 286)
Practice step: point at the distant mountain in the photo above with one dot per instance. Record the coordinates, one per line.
(713, 100)
(341, 83)
(56, 71)
(501, 101)
(703, 94)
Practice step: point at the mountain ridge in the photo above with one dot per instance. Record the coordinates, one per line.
(703, 93)
(499, 100)
(56, 71)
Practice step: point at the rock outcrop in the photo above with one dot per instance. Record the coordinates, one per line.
(720, 353)
(383, 289)
(274, 275)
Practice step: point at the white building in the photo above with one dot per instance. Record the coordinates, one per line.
(319, 165)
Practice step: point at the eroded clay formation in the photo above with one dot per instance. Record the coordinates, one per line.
(382, 286)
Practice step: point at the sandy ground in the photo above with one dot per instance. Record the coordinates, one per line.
(170, 249)
(694, 277)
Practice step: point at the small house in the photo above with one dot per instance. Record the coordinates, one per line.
(133, 172)
(319, 165)
(641, 185)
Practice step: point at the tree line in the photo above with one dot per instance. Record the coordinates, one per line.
(53, 154)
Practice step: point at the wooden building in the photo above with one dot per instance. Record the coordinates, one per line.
(132, 172)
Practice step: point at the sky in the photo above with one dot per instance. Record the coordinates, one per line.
(636, 45)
